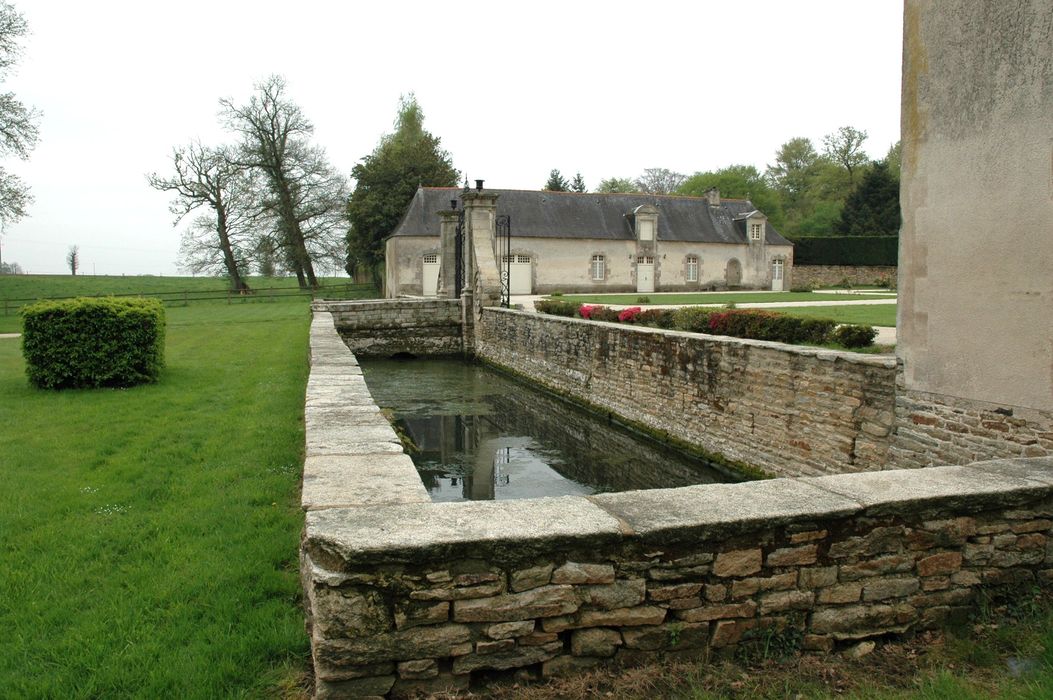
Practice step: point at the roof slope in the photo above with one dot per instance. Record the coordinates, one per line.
(592, 215)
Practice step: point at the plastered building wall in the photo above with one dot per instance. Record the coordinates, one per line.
(976, 248)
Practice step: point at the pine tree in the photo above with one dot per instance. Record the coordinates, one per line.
(556, 182)
(872, 208)
(578, 184)
(385, 182)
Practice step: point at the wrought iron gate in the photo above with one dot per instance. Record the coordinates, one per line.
(504, 256)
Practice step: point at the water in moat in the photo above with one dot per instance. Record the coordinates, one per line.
(476, 434)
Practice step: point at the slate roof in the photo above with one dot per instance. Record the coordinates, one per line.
(592, 215)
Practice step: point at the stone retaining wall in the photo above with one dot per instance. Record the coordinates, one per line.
(406, 595)
(788, 410)
(935, 429)
(390, 326)
(831, 275)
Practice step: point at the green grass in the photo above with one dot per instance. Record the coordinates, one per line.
(865, 314)
(714, 298)
(148, 536)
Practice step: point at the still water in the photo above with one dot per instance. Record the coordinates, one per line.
(480, 435)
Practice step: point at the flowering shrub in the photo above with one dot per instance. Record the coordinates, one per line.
(603, 313)
(629, 315)
(586, 311)
(658, 318)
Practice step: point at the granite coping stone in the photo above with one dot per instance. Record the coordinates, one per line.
(335, 481)
(717, 511)
(906, 491)
(508, 530)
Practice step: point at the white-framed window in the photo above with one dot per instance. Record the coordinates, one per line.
(692, 268)
(646, 230)
(598, 268)
(517, 258)
(645, 259)
(431, 258)
(776, 269)
(756, 229)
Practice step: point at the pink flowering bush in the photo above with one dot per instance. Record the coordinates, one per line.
(629, 315)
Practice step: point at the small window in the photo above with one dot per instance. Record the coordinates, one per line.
(646, 230)
(692, 268)
(431, 258)
(645, 259)
(755, 231)
(522, 259)
(598, 268)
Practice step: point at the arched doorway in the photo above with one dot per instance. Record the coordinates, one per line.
(733, 273)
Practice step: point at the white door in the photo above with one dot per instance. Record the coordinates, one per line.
(645, 273)
(519, 265)
(776, 275)
(430, 268)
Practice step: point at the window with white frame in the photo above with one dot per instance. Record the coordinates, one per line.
(646, 230)
(776, 269)
(692, 268)
(598, 267)
(755, 231)
(431, 258)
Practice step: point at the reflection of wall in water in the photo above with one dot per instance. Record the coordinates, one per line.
(597, 454)
(439, 438)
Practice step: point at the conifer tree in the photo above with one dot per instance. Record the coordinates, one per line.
(872, 208)
(556, 182)
(578, 184)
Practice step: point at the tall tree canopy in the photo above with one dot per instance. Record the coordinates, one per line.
(18, 123)
(615, 185)
(556, 182)
(578, 184)
(737, 182)
(845, 148)
(385, 181)
(659, 181)
(303, 193)
(872, 209)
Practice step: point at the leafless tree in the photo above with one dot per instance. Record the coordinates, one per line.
(73, 259)
(217, 239)
(301, 188)
(659, 181)
(18, 123)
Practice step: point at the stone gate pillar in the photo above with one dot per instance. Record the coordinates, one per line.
(483, 274)
(448, 252)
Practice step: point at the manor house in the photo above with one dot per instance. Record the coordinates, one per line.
(571, 242)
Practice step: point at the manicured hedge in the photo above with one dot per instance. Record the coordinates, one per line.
(81, 343)
(846, 250)
(556, 307)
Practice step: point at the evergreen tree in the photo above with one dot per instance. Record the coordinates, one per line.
(385, 182)
(578, 184)
(872, 209)
(556, 182)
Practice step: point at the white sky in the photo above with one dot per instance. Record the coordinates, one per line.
(513, 90)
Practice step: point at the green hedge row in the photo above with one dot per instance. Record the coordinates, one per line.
(82, 343)
(846, 250)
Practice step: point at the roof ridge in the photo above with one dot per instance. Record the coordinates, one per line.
(599, 194)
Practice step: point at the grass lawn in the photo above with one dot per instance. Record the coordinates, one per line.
(17, 290)
(865, 314)
(715, 297)
(149, 535)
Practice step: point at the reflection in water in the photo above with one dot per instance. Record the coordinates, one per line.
(483, 436)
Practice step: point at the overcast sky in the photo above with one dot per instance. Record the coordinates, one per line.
(513, 90)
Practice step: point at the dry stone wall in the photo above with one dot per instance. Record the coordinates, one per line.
(787, 410)
(390, 326)
(426, 597)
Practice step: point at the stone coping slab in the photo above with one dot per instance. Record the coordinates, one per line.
(378, 479)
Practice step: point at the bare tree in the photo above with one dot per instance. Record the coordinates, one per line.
(73, 259)
(207, 177)
(275, 142)
(18, 123)
(845, 147)
(659, 181)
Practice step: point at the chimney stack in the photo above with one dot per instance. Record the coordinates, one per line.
(713, 196)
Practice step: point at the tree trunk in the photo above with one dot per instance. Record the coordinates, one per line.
(236, 283)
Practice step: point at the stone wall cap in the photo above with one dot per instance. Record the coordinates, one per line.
(903, 491)
(713, 511)
(428, 531)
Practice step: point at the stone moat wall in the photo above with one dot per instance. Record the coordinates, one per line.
(386, 327)
(406, 595)
(832, 275)
(787, 410)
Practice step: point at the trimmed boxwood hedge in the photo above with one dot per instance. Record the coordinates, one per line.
(84, 343)
(846, 250)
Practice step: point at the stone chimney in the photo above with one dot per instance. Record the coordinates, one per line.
(713, 196)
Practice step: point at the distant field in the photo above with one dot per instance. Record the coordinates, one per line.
(17, 290)
(715, 298)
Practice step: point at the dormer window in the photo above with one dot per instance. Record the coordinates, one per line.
(756, 230)
(646, 230)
